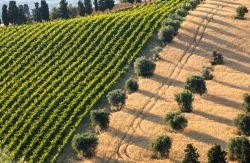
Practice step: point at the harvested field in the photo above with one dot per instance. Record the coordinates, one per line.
(210, 26)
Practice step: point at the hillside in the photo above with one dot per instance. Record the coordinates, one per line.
(52, 74)
(210, 26)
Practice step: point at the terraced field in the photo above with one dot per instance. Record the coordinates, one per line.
(52, 74)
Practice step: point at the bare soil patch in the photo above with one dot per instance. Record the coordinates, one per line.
(210, 26)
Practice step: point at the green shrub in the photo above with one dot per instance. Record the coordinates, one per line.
(131, 85)
(184, 100)
(239, 149)
(217, 58)
(100, 118)
(241, 11)
(216, 155)
(161, 146)
(156, 53)
(85, 144)
(242, 122)
(116, 99)
(194, 3)
(171, 22)
(175, 16)
(176, 121)
(206, 74)
(182, 12)
(144, 67)
(196, 85)
(246, 103)
(191, 154)
(166, 34)
(187, 6)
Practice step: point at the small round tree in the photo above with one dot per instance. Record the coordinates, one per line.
(175, 16)
(246, 103)
(100, 118)
(166, 34)
(216, 155)
(239, 149)
(206, 74)
(131, 85)
(161, 146)
(194, 3)
(185, 100)
(182, 12)
(217, 58)
(116, 99)
(241, 11)
(85, 144)
(187, 6)
(242, 122)
(171, 22)
(196, 85)
(144, 67)
(176, 121)
(191, 154)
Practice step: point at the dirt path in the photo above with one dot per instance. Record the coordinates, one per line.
(210, 26)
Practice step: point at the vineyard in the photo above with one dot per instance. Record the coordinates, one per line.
(52, 74)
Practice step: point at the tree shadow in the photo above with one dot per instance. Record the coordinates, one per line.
(223, 101)
(134, 139)
(168, 81)
(231, 85)
(202, 137)
(146, 116)
(150, 94)
(214, 118)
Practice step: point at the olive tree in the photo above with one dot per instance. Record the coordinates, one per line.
(100, 118)
(246, 103)
(161, 146)
(216, 154)
(239, 149)
(242, 122)
(176, 121)
(131, 85)
(116, 99)
(185, 100)
(144, 67)
(85, 144)
(196, 85)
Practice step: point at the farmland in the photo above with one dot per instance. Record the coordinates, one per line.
(52, 74)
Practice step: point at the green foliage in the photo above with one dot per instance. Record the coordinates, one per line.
(131, 85)
(176, 121)
(144, 67)
(206, 74)
(55, 13)
(185, 100)
(217, 58)
(37, 16)
(5, 16)
(239, 149)
(100, 118)
(85, 144)
(187, 6)
(174, 23)
(88, 6)
(13, 12)
(64, 9)
(175, 16)
(191, 154)
(166, 34)
(44, 10)
(182, 12)
(155, 52)
(194, 3)
(216, 155)
(246, 103)
(241, 11)
(196, 85)
(81, 8)
(116, 99)
(161, 146)
(242, 122)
